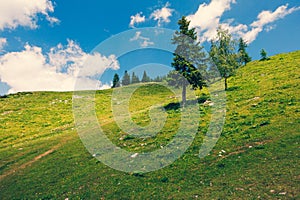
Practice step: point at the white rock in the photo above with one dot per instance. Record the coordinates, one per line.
(134, 155)
(282, 193)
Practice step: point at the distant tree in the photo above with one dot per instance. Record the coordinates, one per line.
(158, 79)
(244, 58)
(223, 54)
(263, 55)
(188, 58)
(126, 79)
(145, 78)
(134, 78)
(116, 81)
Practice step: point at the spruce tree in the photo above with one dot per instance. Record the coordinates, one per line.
(189, 59)
(116, 81)
(126, 79)
(244, 58)
(263, 55)
(134, 78)
(145, 78)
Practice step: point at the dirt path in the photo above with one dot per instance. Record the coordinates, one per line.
(35, 159)
(243, 149)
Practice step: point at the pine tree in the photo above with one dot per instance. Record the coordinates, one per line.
(116, 81)
(263, 55)
(188, 60)
(145, 78)
(158, 79)
(134, 78)
(223, 54)
(244, 58)
(126, 79)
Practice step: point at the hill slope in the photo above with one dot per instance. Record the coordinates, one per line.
(257, 155)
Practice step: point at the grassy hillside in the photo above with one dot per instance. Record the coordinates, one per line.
(257, 155)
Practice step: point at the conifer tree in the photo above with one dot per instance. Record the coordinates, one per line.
(116, 81)
(244, 58)
(263, 55)
(188, 59)
(134, 78)
(126, 79)
(145, 78)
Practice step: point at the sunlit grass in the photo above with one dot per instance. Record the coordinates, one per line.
(257, 155)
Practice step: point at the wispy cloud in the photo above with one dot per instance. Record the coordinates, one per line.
(162, 15)
(265, 18)
(207, 19)
(136, 19)
(144, 41)
(57, 70)
(14, 13)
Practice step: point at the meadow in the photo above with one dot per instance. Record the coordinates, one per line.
(256, 157)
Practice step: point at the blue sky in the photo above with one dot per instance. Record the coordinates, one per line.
(43, 43)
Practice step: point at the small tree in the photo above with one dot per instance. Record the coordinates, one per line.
(263, 55)
(244, 58)
(134, 78)
(223, 54)
(158, 79)
(145, 78)
(126, 79)
(188, 59)
(116, 81)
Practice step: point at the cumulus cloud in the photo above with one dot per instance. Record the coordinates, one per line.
(136, 19)
(162, 15)
(3, 42)
(207, 19)
(14, 13)
(58, 70)
(144, 41)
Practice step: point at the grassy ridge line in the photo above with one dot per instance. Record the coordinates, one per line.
(260, 140)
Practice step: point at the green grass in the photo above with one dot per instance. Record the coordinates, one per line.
(260, 139)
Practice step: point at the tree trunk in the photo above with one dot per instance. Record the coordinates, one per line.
(183, 95)
(226, 84)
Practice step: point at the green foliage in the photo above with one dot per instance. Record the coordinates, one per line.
(263, 55)
(134, 78)
(145, 78)
(116, 81)
(223, 54)
(260, 143)
(159, 79)
(243, 57)
(126, 79)
(189, 59)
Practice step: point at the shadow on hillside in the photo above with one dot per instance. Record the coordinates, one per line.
(177, 105)
(233, 88)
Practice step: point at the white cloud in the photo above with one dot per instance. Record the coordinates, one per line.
(3, 42)
(267, 17)
(162, 15)
(144, 41)
(14, 13)
(59, 70)
(270, 27)
(136, 19)
(207, 19)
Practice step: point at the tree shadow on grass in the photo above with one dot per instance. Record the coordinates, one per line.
(233, 88)
(177, 105)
